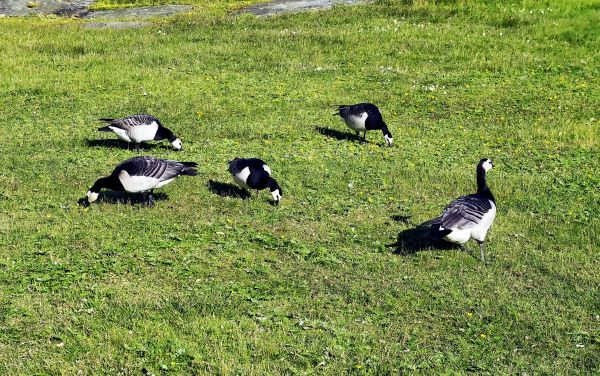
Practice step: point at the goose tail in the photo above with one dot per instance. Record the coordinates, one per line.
(189, 169)
(341, 108)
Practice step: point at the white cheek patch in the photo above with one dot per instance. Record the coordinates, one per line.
(388, 140)
(177, 144)
(92, 196)
(487, 165)
(276, 195)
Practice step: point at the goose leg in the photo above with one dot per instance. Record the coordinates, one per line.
(150, 201)
(137, 147)
(358, 135)
(365, 136)
(481, 247)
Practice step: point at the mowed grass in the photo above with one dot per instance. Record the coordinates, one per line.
(205, 284)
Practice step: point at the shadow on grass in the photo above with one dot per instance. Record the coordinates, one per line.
(338, 135)
(227, 190)
(115, 197)
(401, 218)
(120, 144)
(418, 239)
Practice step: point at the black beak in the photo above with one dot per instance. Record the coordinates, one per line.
(84, 202)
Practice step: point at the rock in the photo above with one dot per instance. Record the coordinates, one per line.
(114, 25)
(285, 6)
(137, 13)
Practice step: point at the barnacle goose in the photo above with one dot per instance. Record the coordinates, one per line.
(139, 128)
(364, 117)
(253, 173)
(468, 216)
(141, 174)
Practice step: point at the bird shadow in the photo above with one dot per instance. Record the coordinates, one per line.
(120, 144)
(227, 190)
(401, 218)
(338, 135)
(115, 197)
(417, 239)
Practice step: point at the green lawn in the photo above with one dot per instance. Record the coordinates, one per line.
(204, 284)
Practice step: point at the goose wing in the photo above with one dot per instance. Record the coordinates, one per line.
(161, 169)
(129, 122)
(238, 164)
(464, 212)
(357, 109)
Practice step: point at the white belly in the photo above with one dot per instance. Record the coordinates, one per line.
(137, 183)
(357, 123)
(459, 236)
(143, 132)
(164, 182)
(480, 231)
(121, 133)
(241, 177)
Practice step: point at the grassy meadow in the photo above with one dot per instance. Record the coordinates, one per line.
(206, 283)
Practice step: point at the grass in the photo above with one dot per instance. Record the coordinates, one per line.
(204, 284)
(206, 8)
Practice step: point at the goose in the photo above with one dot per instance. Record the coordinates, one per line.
(365, 117)
(141, 174)
(253, 173)
(468, 217)
(139, 128)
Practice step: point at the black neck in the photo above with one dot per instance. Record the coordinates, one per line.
(162, 133)
(482, 187)
(272, 184)
(110, 182)
(385, 130)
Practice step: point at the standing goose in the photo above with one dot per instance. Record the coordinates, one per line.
(141, 174)
(139, 128)
(253, 173)
(468, 216)
(365, 117)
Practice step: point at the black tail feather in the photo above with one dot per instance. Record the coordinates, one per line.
(106, 119)
(342, 108)
(437, 232)
(189, 168)
(105, 129)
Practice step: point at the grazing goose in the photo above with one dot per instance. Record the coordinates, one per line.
(141, 174)
(468, 216)
(253, 173)
(365, 117)
(139, 128)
